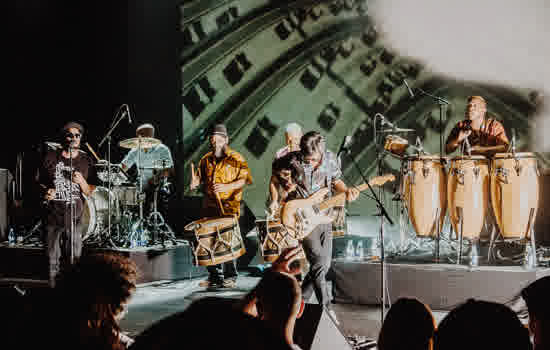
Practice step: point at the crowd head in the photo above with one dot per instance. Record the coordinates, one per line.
(408, 325)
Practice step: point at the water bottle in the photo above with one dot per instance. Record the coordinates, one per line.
(134, 239)
(11, 237)
(374, 251)
(350, 251)
(359, 250)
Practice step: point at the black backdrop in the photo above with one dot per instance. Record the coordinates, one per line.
(80, 61)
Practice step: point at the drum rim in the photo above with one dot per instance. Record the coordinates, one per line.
(476, 157)
(511, 155)
(424, 157)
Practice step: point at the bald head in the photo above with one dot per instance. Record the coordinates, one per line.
(293, 134)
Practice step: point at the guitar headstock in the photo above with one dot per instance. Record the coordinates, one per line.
(382, 179)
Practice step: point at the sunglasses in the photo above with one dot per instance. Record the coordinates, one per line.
(71, 135)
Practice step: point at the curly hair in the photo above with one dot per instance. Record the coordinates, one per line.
(95, 291)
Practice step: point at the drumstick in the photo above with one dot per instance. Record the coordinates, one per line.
(91, 150)
(220, 203)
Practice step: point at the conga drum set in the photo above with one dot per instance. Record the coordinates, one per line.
(473, 191)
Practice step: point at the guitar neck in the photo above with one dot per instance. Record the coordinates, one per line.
(339, 199)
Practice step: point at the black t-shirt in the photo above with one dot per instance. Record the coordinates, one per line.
(55, 172)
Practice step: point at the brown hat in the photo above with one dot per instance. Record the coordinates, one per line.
(219, 129)
(73, 125)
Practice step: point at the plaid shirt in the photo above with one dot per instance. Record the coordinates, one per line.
(313, 179)
(229, 169)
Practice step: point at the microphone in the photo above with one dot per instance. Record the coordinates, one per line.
(385, 121)
(126, 112)
(411, 93)
(129, 114)
(344, 146)
(513, 143)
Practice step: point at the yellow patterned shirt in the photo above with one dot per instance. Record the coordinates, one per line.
(231, 168)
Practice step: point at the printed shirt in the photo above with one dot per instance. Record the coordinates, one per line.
(313, 179)
(158, 155)
(228, 169)
(55, 172)
(490, 134)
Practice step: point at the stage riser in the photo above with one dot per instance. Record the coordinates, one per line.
(153, 265)
(442, 286)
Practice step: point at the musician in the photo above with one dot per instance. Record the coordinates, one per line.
(149, 157)
(485, 135)
(54, 177)
(223, 173)
(293, 134)
(283, 186)
(156, 165)
(318, 168)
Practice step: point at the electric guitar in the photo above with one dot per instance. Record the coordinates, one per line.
(304, 215)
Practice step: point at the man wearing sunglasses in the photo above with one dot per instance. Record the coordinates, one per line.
(64, 176)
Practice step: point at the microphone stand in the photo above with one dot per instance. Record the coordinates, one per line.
(441, 102)
(71, 207)
(109, 180)
(382, 214)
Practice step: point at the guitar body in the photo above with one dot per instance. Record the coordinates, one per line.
(300, 215)
(304, 215)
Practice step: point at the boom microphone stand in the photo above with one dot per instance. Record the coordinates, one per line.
(109, 180)
(382, 214)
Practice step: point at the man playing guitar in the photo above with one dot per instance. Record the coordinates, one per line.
(316, 168)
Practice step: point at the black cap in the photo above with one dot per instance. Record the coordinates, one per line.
(219, 129)
(73, 125)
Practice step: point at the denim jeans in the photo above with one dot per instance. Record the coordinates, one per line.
(318, 249)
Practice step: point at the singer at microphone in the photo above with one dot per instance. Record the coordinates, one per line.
(485, 134)
(66, 175)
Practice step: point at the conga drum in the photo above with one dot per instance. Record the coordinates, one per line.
(215, 240)
(515, 193)
(275, 238)
(424, 193)
(468, 194)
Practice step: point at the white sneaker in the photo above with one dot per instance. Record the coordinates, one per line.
(332, 315)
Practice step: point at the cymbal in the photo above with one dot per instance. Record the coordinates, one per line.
(137, 142)
(104, 163)
(397, 130)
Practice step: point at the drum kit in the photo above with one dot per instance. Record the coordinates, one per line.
(114, 213)
(500, 192)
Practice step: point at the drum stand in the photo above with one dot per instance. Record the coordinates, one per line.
(530, 254)
(156, 220)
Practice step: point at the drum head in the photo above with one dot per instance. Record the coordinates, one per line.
(514, 155)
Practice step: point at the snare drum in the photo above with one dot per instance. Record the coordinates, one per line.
(95, 215)
(215, 240)
(424, 191)
(396, 145)
(127, 195)
(275, 238)
(468, 194)
(515, 193)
